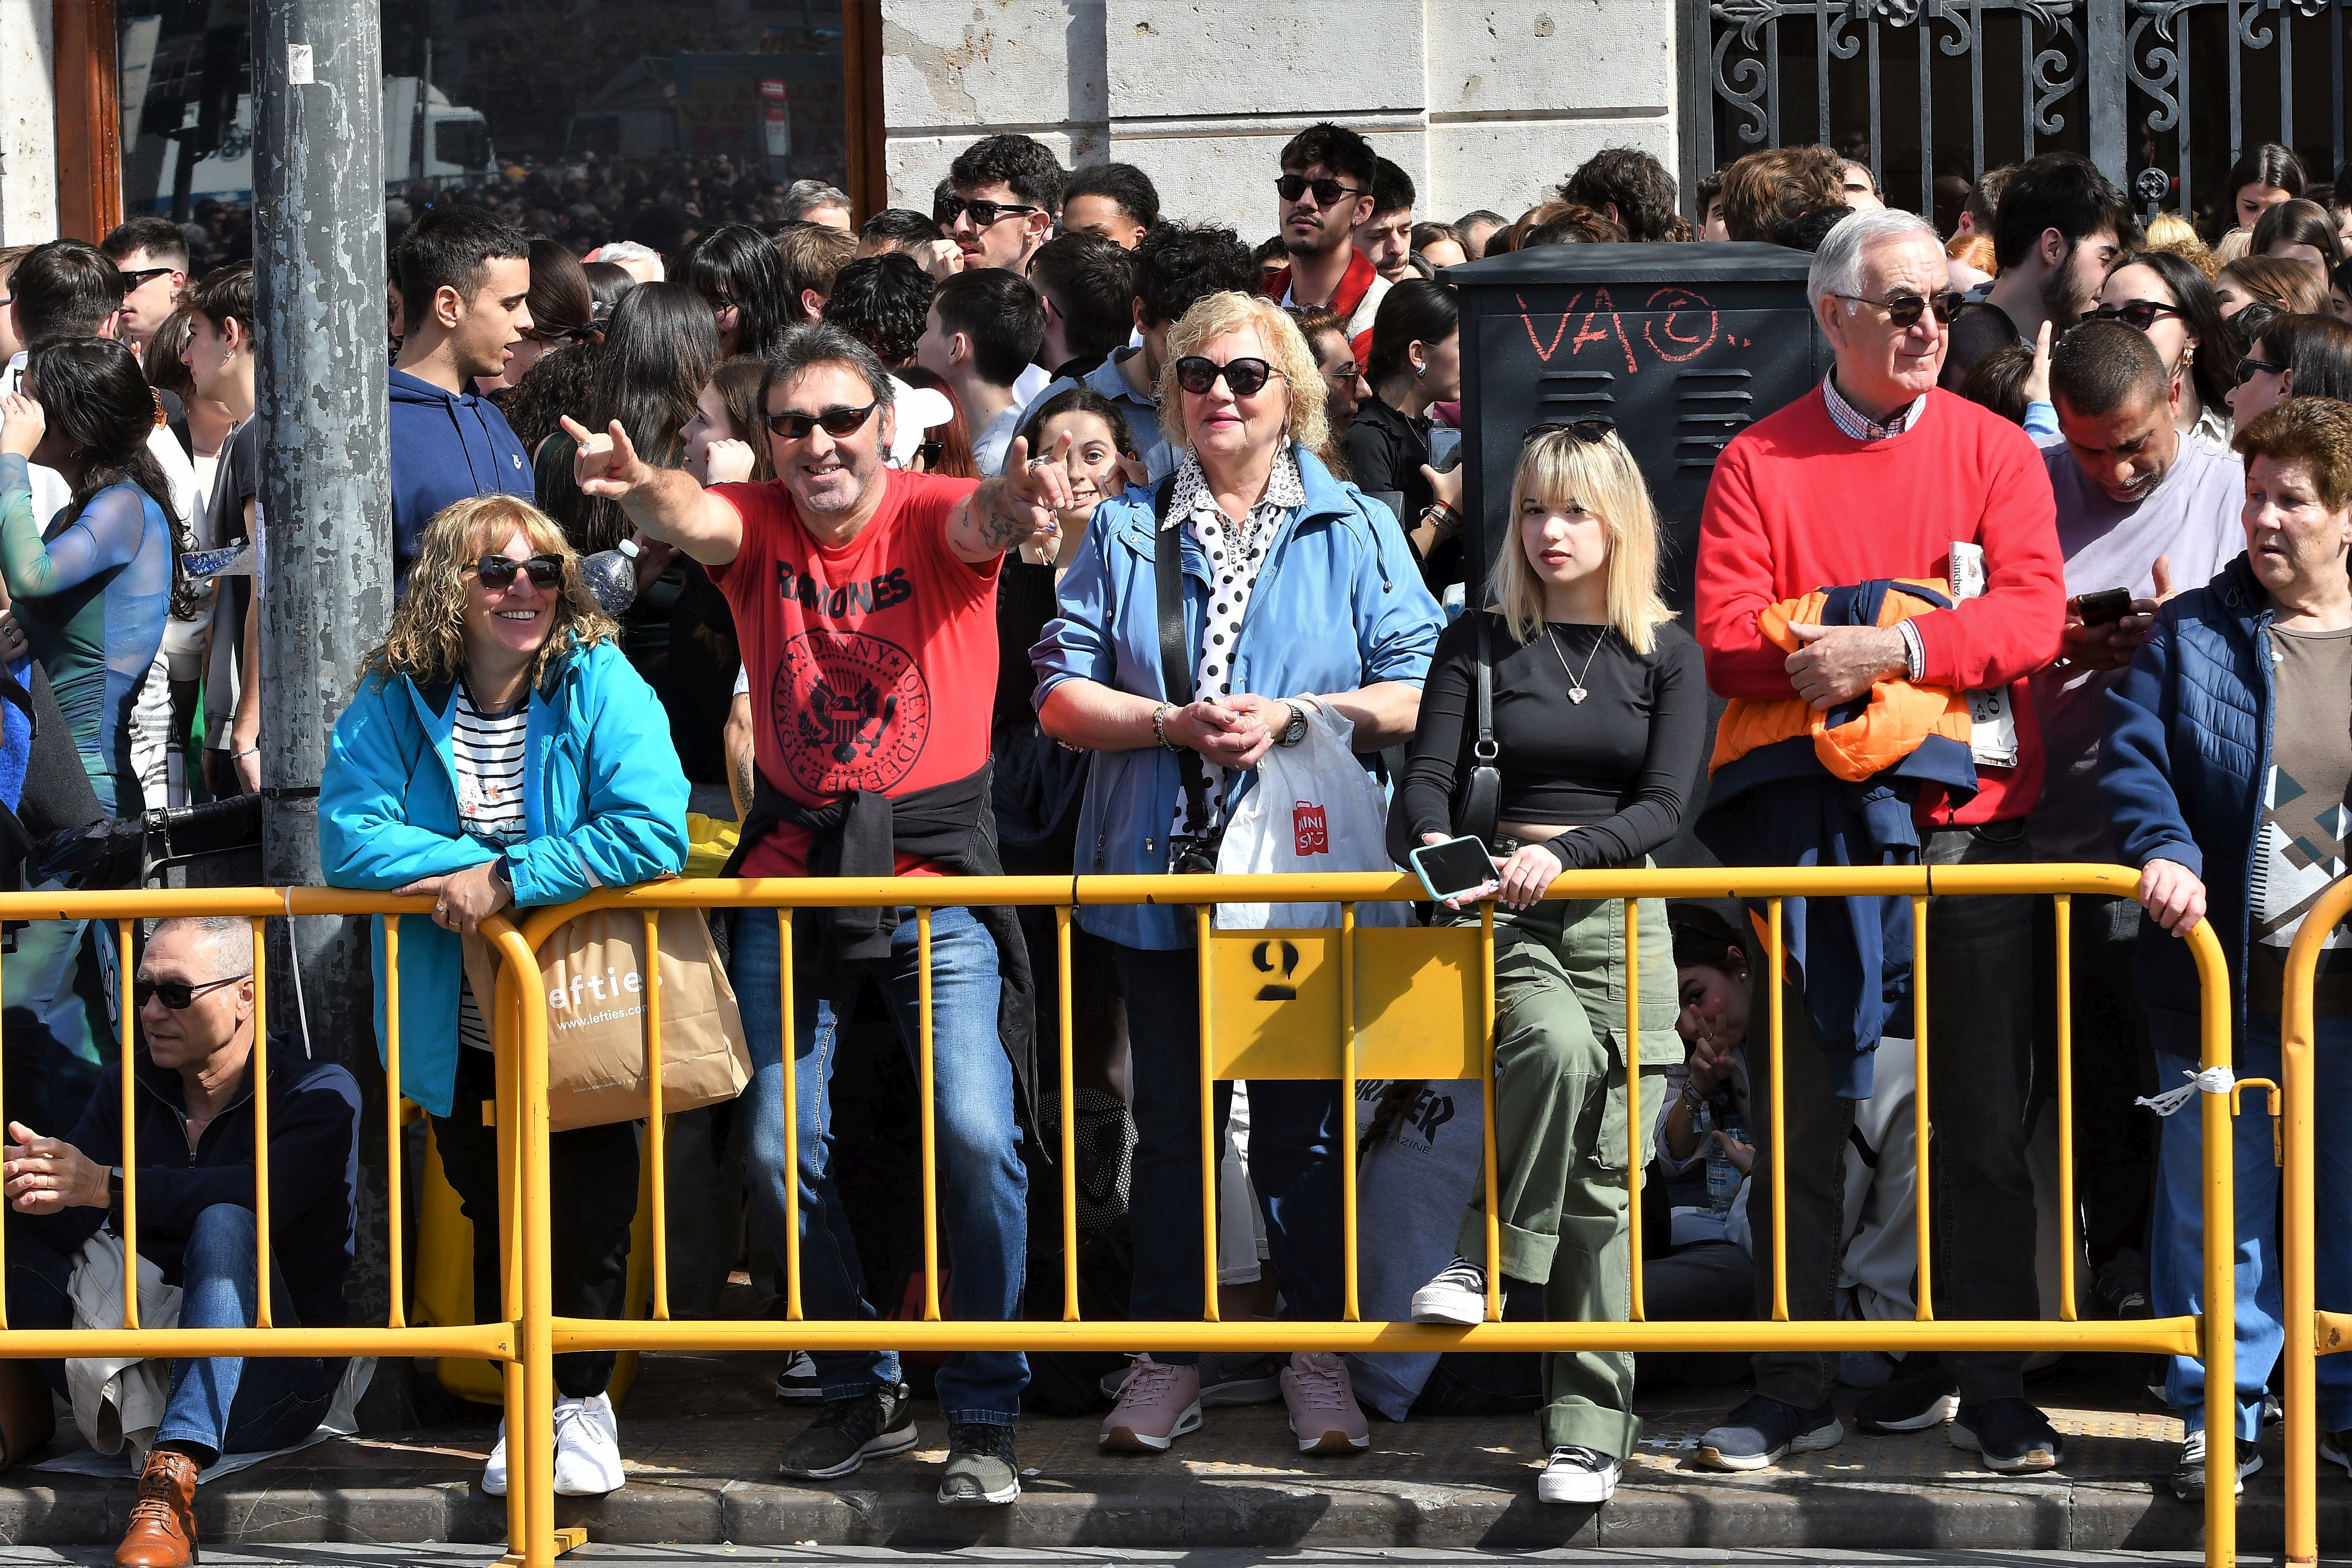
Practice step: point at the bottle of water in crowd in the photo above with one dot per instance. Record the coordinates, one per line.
(1723, 1177)
(612, 577)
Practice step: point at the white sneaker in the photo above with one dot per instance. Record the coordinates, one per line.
(587, 1448)
(1578, 1475)
(494, 1474)
(1457, 1295)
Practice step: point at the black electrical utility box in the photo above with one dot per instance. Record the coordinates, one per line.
(1683, 345)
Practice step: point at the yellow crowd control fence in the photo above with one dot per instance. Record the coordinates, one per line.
(2309, 1333)
(1338, 1003)
(1358, 1002)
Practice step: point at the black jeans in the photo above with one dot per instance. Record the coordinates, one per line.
(2114, 1066)
(1979, 972)
(593, 1174)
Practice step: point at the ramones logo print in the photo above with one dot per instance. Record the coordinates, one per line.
(852, 712)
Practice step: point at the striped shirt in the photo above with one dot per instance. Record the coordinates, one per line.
(487, 749)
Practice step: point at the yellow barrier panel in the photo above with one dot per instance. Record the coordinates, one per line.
(498, 1340)
(2310, 1332)
(1376, 1002)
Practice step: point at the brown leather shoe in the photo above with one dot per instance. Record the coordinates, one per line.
(162, 1532)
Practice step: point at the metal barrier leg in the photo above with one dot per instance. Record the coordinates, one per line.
(2221, 1325)
(2298, 1262)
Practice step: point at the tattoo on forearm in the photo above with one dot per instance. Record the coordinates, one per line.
(999, 519)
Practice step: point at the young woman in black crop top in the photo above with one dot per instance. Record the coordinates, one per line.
(1600, 716)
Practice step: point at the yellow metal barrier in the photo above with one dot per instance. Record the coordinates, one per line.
(1353, 1001)
(2310, 1333)
(500, 1341)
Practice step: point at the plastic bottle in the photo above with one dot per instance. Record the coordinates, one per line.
(612, 577)
(1723, 1177)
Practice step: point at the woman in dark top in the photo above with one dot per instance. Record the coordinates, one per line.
(1599, 717)
(1415, 361)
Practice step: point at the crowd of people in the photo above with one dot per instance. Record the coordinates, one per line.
(1030, 534)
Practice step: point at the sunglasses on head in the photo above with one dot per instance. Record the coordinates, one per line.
(1904, 310)
(945, 210)
(177, 995)
(1594, 428)
(2138, 314)
(496, 574)
(2248, 364)
(838, 421)
(144, 276)
(1290, 187)
(1196, 374)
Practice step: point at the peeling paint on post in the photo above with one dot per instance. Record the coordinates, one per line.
(326, 509)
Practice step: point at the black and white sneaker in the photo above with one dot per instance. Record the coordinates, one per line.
(2335, 1447)
(797, 1384)
(2188, 1470)
(1921, 1394)
(1578, 1476)
(2011, 1435)
(849, 1432)
(982, 1472)
(1456, 1295)
(1765, 1429)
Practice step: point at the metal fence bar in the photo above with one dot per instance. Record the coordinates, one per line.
(1634, 1164)
(656, 1117)
(2286, 78)
(259, 1077)
(1778, 960)
(1926, 115)
(1062, 917)
(527, 1012)
(1349, 1307)
(790, 1042)
(1211, 1146)
(129, 1133)
(2065, 926)
(394, 1184)
(2237, 108)
(1492, 1179)
(929, 1088)
(1877, 129)
(1922, 1124)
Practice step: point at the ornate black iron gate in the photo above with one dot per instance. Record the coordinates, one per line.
(2163, 93)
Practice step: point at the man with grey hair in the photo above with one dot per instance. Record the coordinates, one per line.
(1874, 477)
(814, 201)
(865, 597)
(194, 1169)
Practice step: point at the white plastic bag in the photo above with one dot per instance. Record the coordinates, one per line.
(1315, 810)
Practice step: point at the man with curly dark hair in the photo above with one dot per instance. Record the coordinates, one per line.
(1006, 191)
(883, 301)
(1627, 185)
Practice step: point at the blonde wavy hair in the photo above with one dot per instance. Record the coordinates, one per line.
(1562, 472)
(1286, 349)
(427, 639)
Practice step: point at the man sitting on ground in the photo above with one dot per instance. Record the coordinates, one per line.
(195, 1191)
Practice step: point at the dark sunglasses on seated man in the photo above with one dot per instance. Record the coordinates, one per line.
(179, 995)
(1904, 310)
(838, 421)
(1196, 374)
(497, 574)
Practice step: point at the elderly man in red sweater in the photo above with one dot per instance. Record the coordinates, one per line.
(1879, 475)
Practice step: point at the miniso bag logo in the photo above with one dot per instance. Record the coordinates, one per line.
(603, 998)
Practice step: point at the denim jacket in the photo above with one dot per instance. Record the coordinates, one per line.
(1339, 606)
(603, 802)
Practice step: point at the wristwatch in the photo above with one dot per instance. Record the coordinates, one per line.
(1294, 732)
(113, 1189)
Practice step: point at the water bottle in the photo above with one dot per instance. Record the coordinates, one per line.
(612, 577)
(1723, 1177)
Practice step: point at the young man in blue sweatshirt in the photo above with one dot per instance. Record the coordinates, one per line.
(464, 278)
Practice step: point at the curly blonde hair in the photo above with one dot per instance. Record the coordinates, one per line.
(427, 639)
(1213, 316)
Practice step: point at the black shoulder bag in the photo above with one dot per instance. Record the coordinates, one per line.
(1482, 793)
(1193, 852)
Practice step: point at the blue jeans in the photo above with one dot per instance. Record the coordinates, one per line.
(2177, 1237)
(1294, 1156)
(230, 1405)
(983, 1187)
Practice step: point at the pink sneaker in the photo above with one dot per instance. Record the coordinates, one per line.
(1323, 1411)
(1156, 1405)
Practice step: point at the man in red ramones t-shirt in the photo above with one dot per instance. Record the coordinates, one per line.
(1875, 474)
(865, 602)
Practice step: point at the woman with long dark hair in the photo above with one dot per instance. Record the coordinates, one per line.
(562, 308)
(2301, 231)
(91, 589)
(2170, 297)
(1415, 361)
(2295, 356)
(736, 269)
(659, 352)
(2262, 178)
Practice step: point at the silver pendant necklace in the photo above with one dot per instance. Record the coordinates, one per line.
(1576, 692)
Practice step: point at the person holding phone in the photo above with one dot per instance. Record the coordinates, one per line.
(1416, 361)
(1599, 707)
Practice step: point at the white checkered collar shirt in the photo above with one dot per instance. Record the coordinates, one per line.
(1859, 425)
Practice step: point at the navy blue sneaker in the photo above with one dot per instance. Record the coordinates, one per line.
(1763, 1430)
(2010, 1434)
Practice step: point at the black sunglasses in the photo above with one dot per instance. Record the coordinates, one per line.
(930, 452)
(1904, 310)
(1595, 428)
(497, 574)
(945, 210)
(2248, 364)
(1290, 187)
(838, 421)
(2139, 314)
(1196, 374)
(142, 278)
(177, 995)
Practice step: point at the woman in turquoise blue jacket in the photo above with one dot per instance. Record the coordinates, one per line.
(501, 750)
